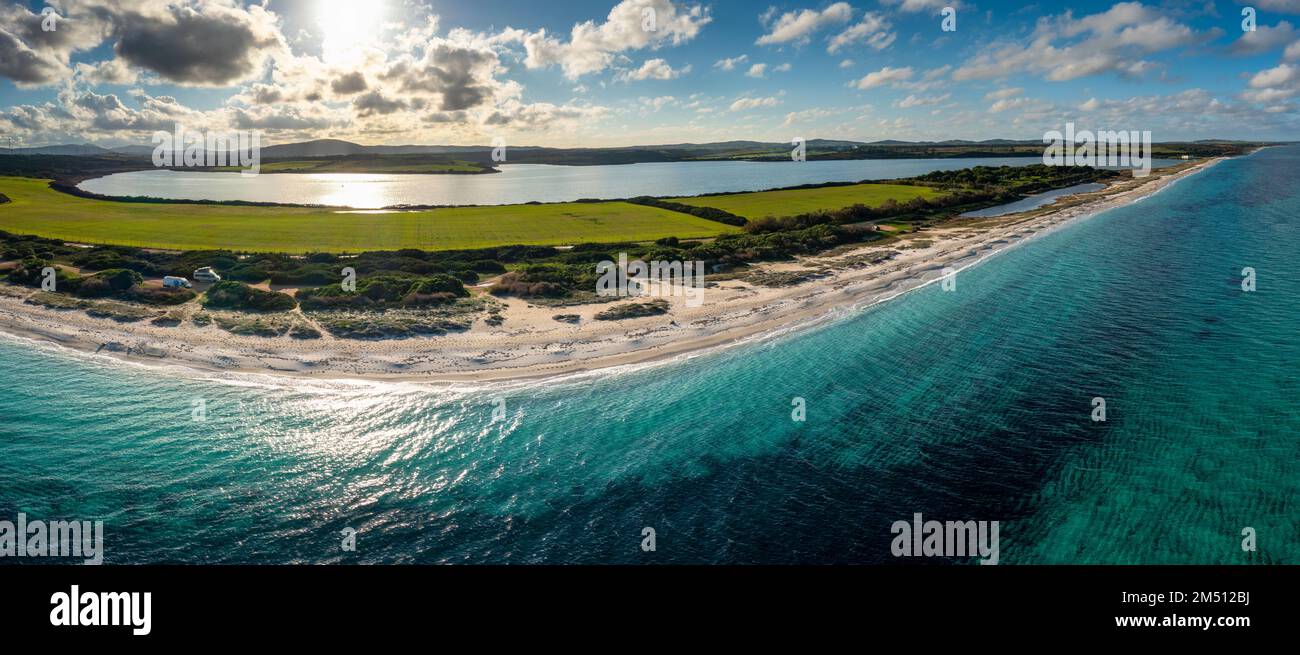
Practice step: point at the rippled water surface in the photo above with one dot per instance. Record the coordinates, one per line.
(522, 183)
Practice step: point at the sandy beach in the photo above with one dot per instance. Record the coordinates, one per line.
(532, 344)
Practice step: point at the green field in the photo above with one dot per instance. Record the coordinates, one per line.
(37, 209)
(803, 201)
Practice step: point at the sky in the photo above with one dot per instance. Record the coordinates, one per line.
(600, 73)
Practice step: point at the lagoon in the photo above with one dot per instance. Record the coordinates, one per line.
(1035, 201)
(523, 183)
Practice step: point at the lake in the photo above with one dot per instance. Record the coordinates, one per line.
(522, 183)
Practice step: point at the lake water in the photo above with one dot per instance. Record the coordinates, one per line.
(1034, 202)
(973, 404)
(521, 183)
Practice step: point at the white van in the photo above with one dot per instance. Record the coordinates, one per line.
(170, 282)
(206, 274)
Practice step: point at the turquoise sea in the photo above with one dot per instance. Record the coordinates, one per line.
(973, 404)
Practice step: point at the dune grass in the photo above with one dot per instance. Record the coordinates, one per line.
(803, 201)
(37, 209)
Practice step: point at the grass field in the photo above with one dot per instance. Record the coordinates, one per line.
(36, 209)
(803, 201)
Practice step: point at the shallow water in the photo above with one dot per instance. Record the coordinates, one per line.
(1034, 202)
(972, 404)
(522, 183)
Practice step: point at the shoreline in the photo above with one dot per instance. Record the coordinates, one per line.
(530, 345)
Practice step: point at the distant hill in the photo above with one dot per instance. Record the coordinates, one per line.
(65, 150)
(818, 149)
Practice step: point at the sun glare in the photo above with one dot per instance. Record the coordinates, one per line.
(348, 27)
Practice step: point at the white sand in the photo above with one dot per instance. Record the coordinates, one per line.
(531, 344)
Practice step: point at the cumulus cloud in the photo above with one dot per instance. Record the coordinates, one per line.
(918, 101)
(592, 47)
(462, 74)
(1274, 84)
(1264, 39)
(730, 63)
(1280, 6)
(748, 103)
(872, 31)
(655, 69)
(109, 71)
(376, 103)
(886, 75)
(797, 27)
(913, 6)
(1066, 47)
(203, 43)
(281, 118)
(1001, 94)
(30, 56)
(349, 84)
(757, 71)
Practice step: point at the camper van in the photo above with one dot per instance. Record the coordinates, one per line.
(206, 274)
(170, 282)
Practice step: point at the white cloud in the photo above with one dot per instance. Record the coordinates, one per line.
(886, 75)
(1004, 104)
(757, 71)
(913, 6)
(798, 26)
(745, 104)
(847, 63)
(655, 69)
(1263, 39)
(1280, 6)
(1274, 84)
(872, 30)
(808, 115)
(1009, 92)
(730, 63)
(917, 101)
(592, 47)
(1111, 41)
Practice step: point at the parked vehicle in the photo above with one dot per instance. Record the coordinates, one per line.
(206, 274)
(170, 282)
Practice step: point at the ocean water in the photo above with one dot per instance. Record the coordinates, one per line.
(973, 404)
(522, 183)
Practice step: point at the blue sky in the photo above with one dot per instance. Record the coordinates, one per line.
(604, 73)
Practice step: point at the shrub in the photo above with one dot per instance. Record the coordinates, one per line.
(228, 294)
(386, 291)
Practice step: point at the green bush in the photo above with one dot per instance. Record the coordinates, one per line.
(239, 296)
(386, 291)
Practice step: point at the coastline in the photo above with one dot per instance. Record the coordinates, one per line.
(530, 345)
